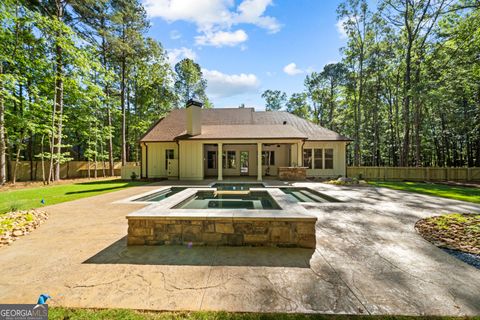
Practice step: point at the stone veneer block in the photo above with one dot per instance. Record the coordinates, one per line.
(292, 173)
(254, 231)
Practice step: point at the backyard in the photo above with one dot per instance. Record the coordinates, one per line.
(366, 263)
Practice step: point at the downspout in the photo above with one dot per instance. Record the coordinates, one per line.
(178, 159)
(303, 143)
(346, 148)
(146, 161)
(141, 166)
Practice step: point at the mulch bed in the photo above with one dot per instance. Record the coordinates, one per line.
(452, 231)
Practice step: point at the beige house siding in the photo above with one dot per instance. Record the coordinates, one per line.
(339, 164)
(154, 166)
(282, 157)
(191, 164)
(190, 157)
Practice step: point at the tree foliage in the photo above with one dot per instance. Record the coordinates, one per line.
(407, 90)
(80, 80)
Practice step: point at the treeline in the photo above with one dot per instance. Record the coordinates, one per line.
(407, 90)
(79, 79)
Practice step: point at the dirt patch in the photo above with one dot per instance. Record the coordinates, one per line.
(459, 231)
(33, 184)
(19, 223)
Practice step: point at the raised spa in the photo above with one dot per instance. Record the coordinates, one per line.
(237, 186)
(229, 200)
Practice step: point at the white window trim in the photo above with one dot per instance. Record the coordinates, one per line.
(323, 158)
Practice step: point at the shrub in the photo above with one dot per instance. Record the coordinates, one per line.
(133, 176)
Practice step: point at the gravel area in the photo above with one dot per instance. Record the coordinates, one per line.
(471, 259)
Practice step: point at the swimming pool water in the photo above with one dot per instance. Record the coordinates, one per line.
(307, 195)
(160, 195)
(213, 200)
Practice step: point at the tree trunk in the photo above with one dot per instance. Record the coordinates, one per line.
(58, 111)
(110, 143)
(42, 159)
(3, 159)
(122, 100)
(406, 107)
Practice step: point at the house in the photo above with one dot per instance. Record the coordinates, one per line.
(187, 144)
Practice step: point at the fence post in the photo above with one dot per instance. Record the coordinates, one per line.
(469, 174)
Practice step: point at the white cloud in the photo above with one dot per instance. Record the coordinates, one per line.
(175, 34)
(291, 69)
(214, 16)
(340, 25)
(221, 85)
(177, 54)
(251, 11)
(222, 38)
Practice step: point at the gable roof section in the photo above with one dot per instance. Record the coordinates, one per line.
(240, 123)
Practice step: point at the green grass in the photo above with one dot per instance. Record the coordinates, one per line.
(30, 198)
(470, 194)
(123, 314)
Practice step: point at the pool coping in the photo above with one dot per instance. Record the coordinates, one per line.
(290, 210)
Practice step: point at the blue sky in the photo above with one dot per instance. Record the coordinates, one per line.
(247, 46)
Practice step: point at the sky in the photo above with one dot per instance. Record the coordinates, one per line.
(248, 46)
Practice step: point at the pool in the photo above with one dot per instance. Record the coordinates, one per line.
(229, 200)
(160, 195)
(307, 195)
(237, 186)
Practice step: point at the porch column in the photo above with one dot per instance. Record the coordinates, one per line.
(259, 161)
(299, 155)
(219, 161)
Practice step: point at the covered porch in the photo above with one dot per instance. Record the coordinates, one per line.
(248, 159)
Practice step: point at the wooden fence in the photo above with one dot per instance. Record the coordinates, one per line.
(415, 173)
(68, 170)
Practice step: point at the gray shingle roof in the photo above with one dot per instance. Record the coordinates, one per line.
(240, 123)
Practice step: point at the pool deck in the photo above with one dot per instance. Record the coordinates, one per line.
(368, 260)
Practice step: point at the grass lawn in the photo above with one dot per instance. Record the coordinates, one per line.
(30, 198)
(470, 194)
(72, 314)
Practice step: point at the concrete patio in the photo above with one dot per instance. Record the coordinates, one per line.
(368, 260)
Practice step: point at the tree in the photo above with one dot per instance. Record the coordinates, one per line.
(189, 81)
(297, 105)
(274, 100)
(129, 20)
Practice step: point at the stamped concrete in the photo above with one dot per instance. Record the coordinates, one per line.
(368, 260)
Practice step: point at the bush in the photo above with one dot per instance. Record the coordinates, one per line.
(133, 176)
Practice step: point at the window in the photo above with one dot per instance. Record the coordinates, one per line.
(268, 158)
(328, 158)
(169, 154)
(307, 158)
(211, 159)
(229, 159)
(318, 158)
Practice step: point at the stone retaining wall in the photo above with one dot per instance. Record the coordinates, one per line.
(242, 232)
(292, 173)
